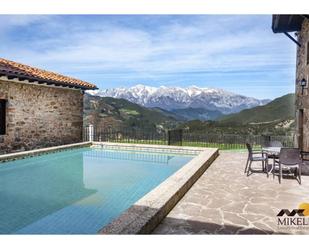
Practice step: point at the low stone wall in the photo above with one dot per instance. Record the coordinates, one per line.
(187, 150)
(40, 116)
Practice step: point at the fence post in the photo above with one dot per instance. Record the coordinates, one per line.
(174, 137)
(266, 140)
(90, 133)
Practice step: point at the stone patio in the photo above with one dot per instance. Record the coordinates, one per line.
(225, 201)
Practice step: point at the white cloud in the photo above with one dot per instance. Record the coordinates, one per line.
(8, 22)
(202, 43)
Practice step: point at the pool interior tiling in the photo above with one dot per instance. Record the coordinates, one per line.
(77, 191)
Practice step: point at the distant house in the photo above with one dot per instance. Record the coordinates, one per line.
(300, 25)
(38, 108)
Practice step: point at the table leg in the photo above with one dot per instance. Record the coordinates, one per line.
(272, 167)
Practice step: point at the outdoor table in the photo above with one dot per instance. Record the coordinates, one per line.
(273, 151)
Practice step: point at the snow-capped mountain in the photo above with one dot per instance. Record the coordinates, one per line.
(170, 98)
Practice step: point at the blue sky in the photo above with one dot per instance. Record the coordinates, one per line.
(238, 53)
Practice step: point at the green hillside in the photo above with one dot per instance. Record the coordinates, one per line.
(109, 112)
(197, 113)
(276, 117)
(170, 114)
(279, 109)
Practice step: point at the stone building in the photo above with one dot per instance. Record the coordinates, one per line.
(38, 108)
(300, 25)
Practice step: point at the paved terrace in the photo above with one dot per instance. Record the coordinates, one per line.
(225, 201)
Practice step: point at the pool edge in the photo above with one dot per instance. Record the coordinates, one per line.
(146, 214)
(36, 152)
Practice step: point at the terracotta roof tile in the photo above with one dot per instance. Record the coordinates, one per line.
(18, 70)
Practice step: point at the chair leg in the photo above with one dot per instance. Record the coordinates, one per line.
(274, 168)
(299, 173)
(247, 165)
(280, 172)
(249, 168)
(267, 168)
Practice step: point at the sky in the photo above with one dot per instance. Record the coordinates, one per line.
(238, 53)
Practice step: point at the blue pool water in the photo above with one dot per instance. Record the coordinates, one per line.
(77, 191)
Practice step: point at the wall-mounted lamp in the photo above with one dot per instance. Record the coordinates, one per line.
(303, 84)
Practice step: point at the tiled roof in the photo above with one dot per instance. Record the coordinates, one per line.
(13, 70)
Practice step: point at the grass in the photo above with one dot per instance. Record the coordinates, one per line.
(221, 146)
(129, 112)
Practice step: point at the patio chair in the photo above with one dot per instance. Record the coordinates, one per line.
(255, 156)
(290, 161)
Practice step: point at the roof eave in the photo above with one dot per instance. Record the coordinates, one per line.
(41, 81)
(287, 23)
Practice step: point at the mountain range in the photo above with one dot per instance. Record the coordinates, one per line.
(276, 116)
(171, 98)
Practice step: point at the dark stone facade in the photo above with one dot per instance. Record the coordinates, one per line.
(302, 96)
(40, 116)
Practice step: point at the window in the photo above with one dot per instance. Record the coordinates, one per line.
(2, 116)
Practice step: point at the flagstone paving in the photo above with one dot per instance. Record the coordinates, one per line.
(225, 201)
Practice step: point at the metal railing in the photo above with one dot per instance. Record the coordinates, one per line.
(221, 141)
(233, 141)
(125, 136)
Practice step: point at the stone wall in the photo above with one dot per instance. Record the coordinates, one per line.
(40, 116)
(302, 71)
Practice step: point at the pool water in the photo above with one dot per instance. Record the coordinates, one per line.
(77, 191)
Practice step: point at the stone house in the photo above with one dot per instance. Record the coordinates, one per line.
(300, 25)
(38, 108)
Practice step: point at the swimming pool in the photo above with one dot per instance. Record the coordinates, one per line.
(78, 191)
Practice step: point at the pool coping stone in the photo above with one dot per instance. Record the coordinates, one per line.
(31, 153)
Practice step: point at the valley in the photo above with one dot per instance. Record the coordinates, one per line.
(276, 117)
